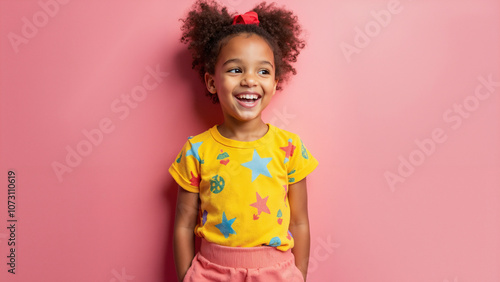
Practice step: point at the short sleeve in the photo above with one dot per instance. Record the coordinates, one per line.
(301, 163)
(186, 168)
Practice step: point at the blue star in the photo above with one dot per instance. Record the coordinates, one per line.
(194, 151)
(225, 227)
(258, 165)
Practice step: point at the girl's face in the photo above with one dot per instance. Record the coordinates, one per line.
(244, 77)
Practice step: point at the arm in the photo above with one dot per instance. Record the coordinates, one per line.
(299, 224)
(185, 221)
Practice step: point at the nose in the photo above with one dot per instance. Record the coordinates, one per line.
(249, 79)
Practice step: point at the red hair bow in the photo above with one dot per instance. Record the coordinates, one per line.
(246, 18)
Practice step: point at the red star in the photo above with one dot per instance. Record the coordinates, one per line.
(288, 149)
(261, 205)
(195, 181)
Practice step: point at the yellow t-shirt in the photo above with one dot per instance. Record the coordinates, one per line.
(243, 186)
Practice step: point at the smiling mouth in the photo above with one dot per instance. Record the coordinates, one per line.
(248, 100)
(248, 97)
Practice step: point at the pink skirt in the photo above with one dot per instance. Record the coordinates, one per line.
(221, 263)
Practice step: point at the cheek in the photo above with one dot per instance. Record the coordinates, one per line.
(270, 85)
(226, 82)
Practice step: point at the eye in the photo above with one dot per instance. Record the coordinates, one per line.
(264, 71)
(234, 70)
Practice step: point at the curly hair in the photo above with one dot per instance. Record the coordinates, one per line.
(208, 27)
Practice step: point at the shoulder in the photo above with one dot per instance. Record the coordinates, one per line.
(282, 134)
(200, 137)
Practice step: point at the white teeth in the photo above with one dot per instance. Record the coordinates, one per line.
(248, 96)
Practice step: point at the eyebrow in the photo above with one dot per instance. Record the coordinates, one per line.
(239, 61)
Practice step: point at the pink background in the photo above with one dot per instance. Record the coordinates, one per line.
(362, 115)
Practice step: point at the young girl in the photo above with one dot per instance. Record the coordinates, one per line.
(242, 184)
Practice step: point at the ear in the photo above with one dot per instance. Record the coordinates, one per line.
(210, 83)
(275, 85)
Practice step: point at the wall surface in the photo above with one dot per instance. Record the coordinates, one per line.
(398, 100)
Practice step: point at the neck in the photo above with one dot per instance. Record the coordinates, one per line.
(243, 130)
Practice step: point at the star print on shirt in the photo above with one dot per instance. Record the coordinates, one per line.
(258, 165)
(288, 150)
(195, 180)
(194, 151)
(261, 204)
(225, 226)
